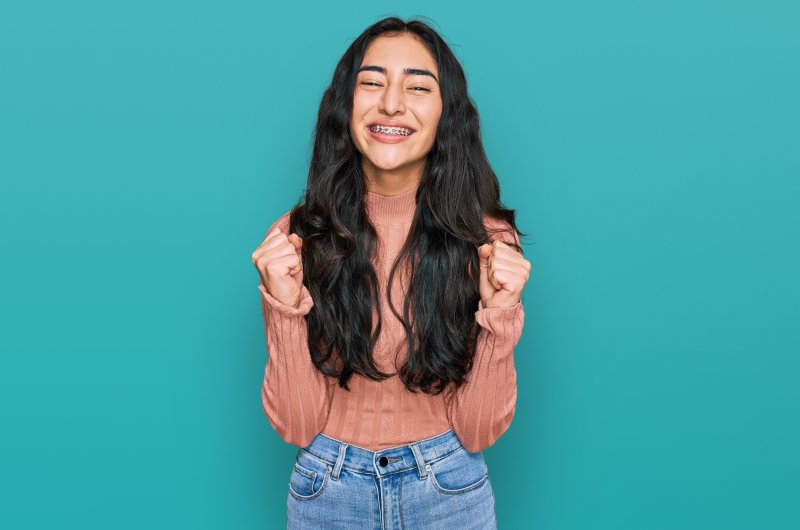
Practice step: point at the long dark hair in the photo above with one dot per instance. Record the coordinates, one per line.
(457, 189)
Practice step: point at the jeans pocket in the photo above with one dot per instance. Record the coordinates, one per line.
(459, 472)
(310, 476)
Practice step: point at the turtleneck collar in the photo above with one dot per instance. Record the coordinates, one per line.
(391, 209)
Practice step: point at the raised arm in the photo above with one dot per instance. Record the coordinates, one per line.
(295, 396)
(482, 409)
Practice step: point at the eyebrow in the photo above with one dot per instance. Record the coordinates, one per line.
(407, 71)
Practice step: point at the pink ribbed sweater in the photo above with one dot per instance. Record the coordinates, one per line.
(300, 402)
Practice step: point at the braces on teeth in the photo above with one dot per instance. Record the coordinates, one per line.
(391, 130)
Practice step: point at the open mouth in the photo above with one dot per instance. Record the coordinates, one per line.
(390, 131)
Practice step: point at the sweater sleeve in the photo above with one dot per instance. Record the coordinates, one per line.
(295, 395)
(481, 410)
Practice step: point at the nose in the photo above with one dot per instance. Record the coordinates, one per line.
(392, 100)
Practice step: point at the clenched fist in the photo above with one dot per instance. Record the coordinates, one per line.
(280, 265)
(504, 273)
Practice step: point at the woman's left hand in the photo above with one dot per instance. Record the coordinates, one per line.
(504, 273)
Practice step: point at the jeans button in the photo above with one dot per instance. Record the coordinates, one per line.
(383, 461)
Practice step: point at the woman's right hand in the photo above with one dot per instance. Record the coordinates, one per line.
(280, 265)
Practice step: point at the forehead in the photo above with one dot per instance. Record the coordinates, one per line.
(396, 52)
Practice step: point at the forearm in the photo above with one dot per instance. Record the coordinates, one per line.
(295, 395)
(482, 409)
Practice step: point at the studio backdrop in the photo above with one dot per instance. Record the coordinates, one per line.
(649, 149)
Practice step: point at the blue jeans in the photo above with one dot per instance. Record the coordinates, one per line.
(429, 484)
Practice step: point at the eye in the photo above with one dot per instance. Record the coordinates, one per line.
(421, 88)
(370, 83)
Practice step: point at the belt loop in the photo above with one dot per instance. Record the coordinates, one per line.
(420, 460)
(339, 461)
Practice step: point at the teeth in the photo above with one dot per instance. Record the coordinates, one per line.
(399, 131)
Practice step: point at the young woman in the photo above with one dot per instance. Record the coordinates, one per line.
(392, 298)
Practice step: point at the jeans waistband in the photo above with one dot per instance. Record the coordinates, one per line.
(342, 455)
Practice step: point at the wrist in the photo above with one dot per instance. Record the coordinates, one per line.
(505, 305)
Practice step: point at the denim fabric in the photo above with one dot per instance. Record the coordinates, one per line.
(429, 484)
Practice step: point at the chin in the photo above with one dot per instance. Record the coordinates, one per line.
(388, 164)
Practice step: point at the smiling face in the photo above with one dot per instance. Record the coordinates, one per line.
(397, 89)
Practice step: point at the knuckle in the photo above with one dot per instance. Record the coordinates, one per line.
(270, 267)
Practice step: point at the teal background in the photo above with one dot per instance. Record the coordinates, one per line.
(651, 151)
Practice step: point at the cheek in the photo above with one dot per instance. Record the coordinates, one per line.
(432, 123)
(431, 114)
(357, 122)
(362, 103)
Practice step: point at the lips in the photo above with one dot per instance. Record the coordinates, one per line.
(392, 123)
(388, 138)
(390, 131)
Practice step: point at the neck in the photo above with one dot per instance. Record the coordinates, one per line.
(391, 209)
(393, 181)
